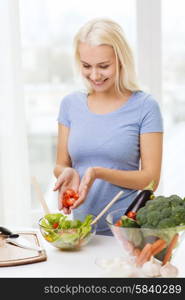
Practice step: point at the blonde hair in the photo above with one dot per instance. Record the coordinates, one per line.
(107, 32)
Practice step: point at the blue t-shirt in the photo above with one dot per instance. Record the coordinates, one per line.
(108, 140)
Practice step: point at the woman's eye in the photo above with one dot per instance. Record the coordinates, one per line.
(86, 67)
(104, 67)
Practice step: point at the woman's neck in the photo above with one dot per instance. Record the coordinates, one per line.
(110, 95)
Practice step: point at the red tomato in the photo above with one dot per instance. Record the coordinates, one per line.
(132, 215)
(70, 201)
(76, 196)
(118, 223)
(65, 202)
(69, 197)
(69, 193)
(55, 225)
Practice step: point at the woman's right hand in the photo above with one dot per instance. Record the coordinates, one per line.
(69, 179)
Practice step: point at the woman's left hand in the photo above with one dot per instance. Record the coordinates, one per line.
(85, 185)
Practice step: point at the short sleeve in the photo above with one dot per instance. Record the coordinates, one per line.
(151, 117)
(63, 116)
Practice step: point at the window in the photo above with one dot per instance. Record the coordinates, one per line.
(173, 25)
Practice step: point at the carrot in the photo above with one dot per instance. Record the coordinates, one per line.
(158, 246)
(144, 255)
(170, 249)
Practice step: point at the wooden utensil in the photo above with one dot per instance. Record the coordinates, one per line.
(40, 195)
(107, 207)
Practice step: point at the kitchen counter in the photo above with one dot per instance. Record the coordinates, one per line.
(76, 264)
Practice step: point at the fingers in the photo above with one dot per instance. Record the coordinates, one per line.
(67, 211)
(60, 182)
(60, 197)
(83, 190)
(87, 180)
(81, 198)
(55, 188)
(75, 187)
(57, 184)
(60, 206)
(84, 183)
(75, 183)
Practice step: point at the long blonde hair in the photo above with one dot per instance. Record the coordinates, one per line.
(107, 32)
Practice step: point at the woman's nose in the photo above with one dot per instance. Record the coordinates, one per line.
(95, 75)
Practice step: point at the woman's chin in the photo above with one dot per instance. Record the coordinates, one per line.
(101, 88)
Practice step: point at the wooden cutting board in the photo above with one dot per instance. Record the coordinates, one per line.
(11, 255)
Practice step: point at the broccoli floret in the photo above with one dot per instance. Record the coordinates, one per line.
(162, 212)
(141, 217)
(175, 200)
(153, 218)
(160, 198)
(148, 202)
(166, 213)
(179, 215)
(166, 223)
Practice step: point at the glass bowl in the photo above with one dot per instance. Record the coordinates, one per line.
(2, 240)
(67, 239)
(133, 240)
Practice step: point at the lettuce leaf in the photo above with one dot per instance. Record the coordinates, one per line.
(82, 229)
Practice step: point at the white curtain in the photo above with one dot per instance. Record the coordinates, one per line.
(15, 196)
(149, 51)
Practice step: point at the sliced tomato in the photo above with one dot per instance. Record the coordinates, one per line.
(66, 197)
(69, 192)
(70, 201)
(118, 223)
(65, 202)
(69, 197)
(132, 215)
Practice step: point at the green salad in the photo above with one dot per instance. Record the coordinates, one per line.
(64, 233)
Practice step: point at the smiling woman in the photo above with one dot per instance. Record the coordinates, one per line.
(101, 74)
(102, 46)
(105, 133)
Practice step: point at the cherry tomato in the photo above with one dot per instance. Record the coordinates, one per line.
(69, 197)
(55, 225)
(65, 202)
(118, 223)
(70, 201)
(132, 215)
(76, 196)
(69, 193)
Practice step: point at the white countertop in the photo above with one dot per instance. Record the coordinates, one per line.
(76, 264)
(60, 263)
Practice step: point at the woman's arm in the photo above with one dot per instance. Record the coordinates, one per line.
(63, 159)
(151, 159)
(67, 177)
